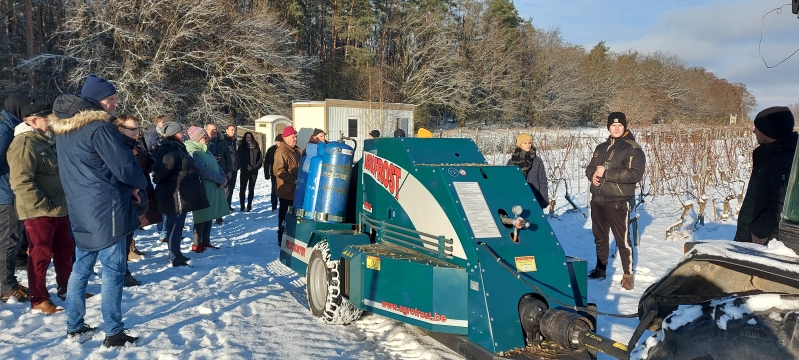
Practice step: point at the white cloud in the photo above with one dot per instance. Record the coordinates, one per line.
(721, 36)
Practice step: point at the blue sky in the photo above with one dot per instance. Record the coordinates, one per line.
(720, 36)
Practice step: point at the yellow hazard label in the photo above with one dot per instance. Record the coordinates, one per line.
(620, 346)
(526, 263)
(373, 262)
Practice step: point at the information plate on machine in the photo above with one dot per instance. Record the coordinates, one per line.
(476, 209)
(526, 263)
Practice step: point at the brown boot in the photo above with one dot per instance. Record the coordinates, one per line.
(20, 293)
(135, 250)
(47, 307)
(132, 255)
(627, 282)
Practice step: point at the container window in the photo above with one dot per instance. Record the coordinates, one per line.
(352, 128)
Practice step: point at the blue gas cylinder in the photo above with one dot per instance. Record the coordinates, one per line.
(302, 177)
(312, 183)
(334, 182)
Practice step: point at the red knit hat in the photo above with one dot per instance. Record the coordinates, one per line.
(288, 131)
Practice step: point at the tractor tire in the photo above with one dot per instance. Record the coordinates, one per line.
(770, 334)
(322, 286)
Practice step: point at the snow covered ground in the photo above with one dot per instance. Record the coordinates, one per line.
(240, 302)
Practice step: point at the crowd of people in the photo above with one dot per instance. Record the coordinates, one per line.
(76, 181)
(82, 200)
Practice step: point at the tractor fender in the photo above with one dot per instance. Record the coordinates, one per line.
(337, 240)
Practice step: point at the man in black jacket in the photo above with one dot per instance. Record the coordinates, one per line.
(617, 165)
(269, 160)
(759, 218)
(230, 137)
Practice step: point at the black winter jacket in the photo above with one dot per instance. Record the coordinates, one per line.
(179, 187)
(249, 159)
(760, 211)
(269, 160)
(624, 163)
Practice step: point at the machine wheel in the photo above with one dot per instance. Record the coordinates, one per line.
(766, 334)
(322, 285)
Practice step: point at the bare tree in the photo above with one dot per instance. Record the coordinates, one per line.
(200, 59)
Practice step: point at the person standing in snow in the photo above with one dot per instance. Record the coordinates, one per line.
(101, 181)
(11, 231)
(129, 127)
(759, 218)
(41, 205)
(286, 169)
(616, 166)
(269, 160)
(524, 156)
(178, 187)
(230, 137)
(218, 147)
(215, 184)
(250, 160)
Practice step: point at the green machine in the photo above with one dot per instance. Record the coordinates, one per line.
(438, 238)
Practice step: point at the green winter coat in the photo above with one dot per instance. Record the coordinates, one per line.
(34, 175)
(212, 176)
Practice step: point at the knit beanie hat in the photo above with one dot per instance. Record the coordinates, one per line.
(196, 133)
(317, 132)
(424, 133)
(399, 133)
(15, 103)
(617, 117)
(522, 138)
(169, 128)
(288, 131)
(775, 122)
(96, 88)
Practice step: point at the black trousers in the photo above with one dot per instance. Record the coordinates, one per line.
(281, 217)
(613, 216)
(247, 184)
(274, 193)
(10, 235)
(231, 185)
(202, 233)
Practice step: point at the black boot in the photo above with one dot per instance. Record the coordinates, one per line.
(119, 339)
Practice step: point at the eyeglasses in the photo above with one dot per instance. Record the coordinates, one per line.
(130, 128)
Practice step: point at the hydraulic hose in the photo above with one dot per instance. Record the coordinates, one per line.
(516, 274)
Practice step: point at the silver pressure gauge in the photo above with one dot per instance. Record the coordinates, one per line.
(517, 210)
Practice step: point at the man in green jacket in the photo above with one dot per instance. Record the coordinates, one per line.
(41, 205)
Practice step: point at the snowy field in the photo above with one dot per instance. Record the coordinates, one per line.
(240, 302)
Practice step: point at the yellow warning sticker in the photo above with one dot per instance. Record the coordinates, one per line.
(373, 262)
(526, 263)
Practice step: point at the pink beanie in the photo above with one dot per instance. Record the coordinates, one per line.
(196, 133)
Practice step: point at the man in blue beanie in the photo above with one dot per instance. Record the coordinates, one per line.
(101, 179)
(100, 93)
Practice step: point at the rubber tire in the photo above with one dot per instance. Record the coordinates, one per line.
(702, 339)
(322, 279)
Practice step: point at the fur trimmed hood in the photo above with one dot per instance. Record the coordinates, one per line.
(81, 119)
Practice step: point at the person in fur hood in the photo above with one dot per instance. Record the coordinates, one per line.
(524, 156)
(101, 180)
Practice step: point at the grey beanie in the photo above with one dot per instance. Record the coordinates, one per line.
(169, 128)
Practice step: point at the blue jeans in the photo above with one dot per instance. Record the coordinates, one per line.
(113, 260)
(174, 234)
